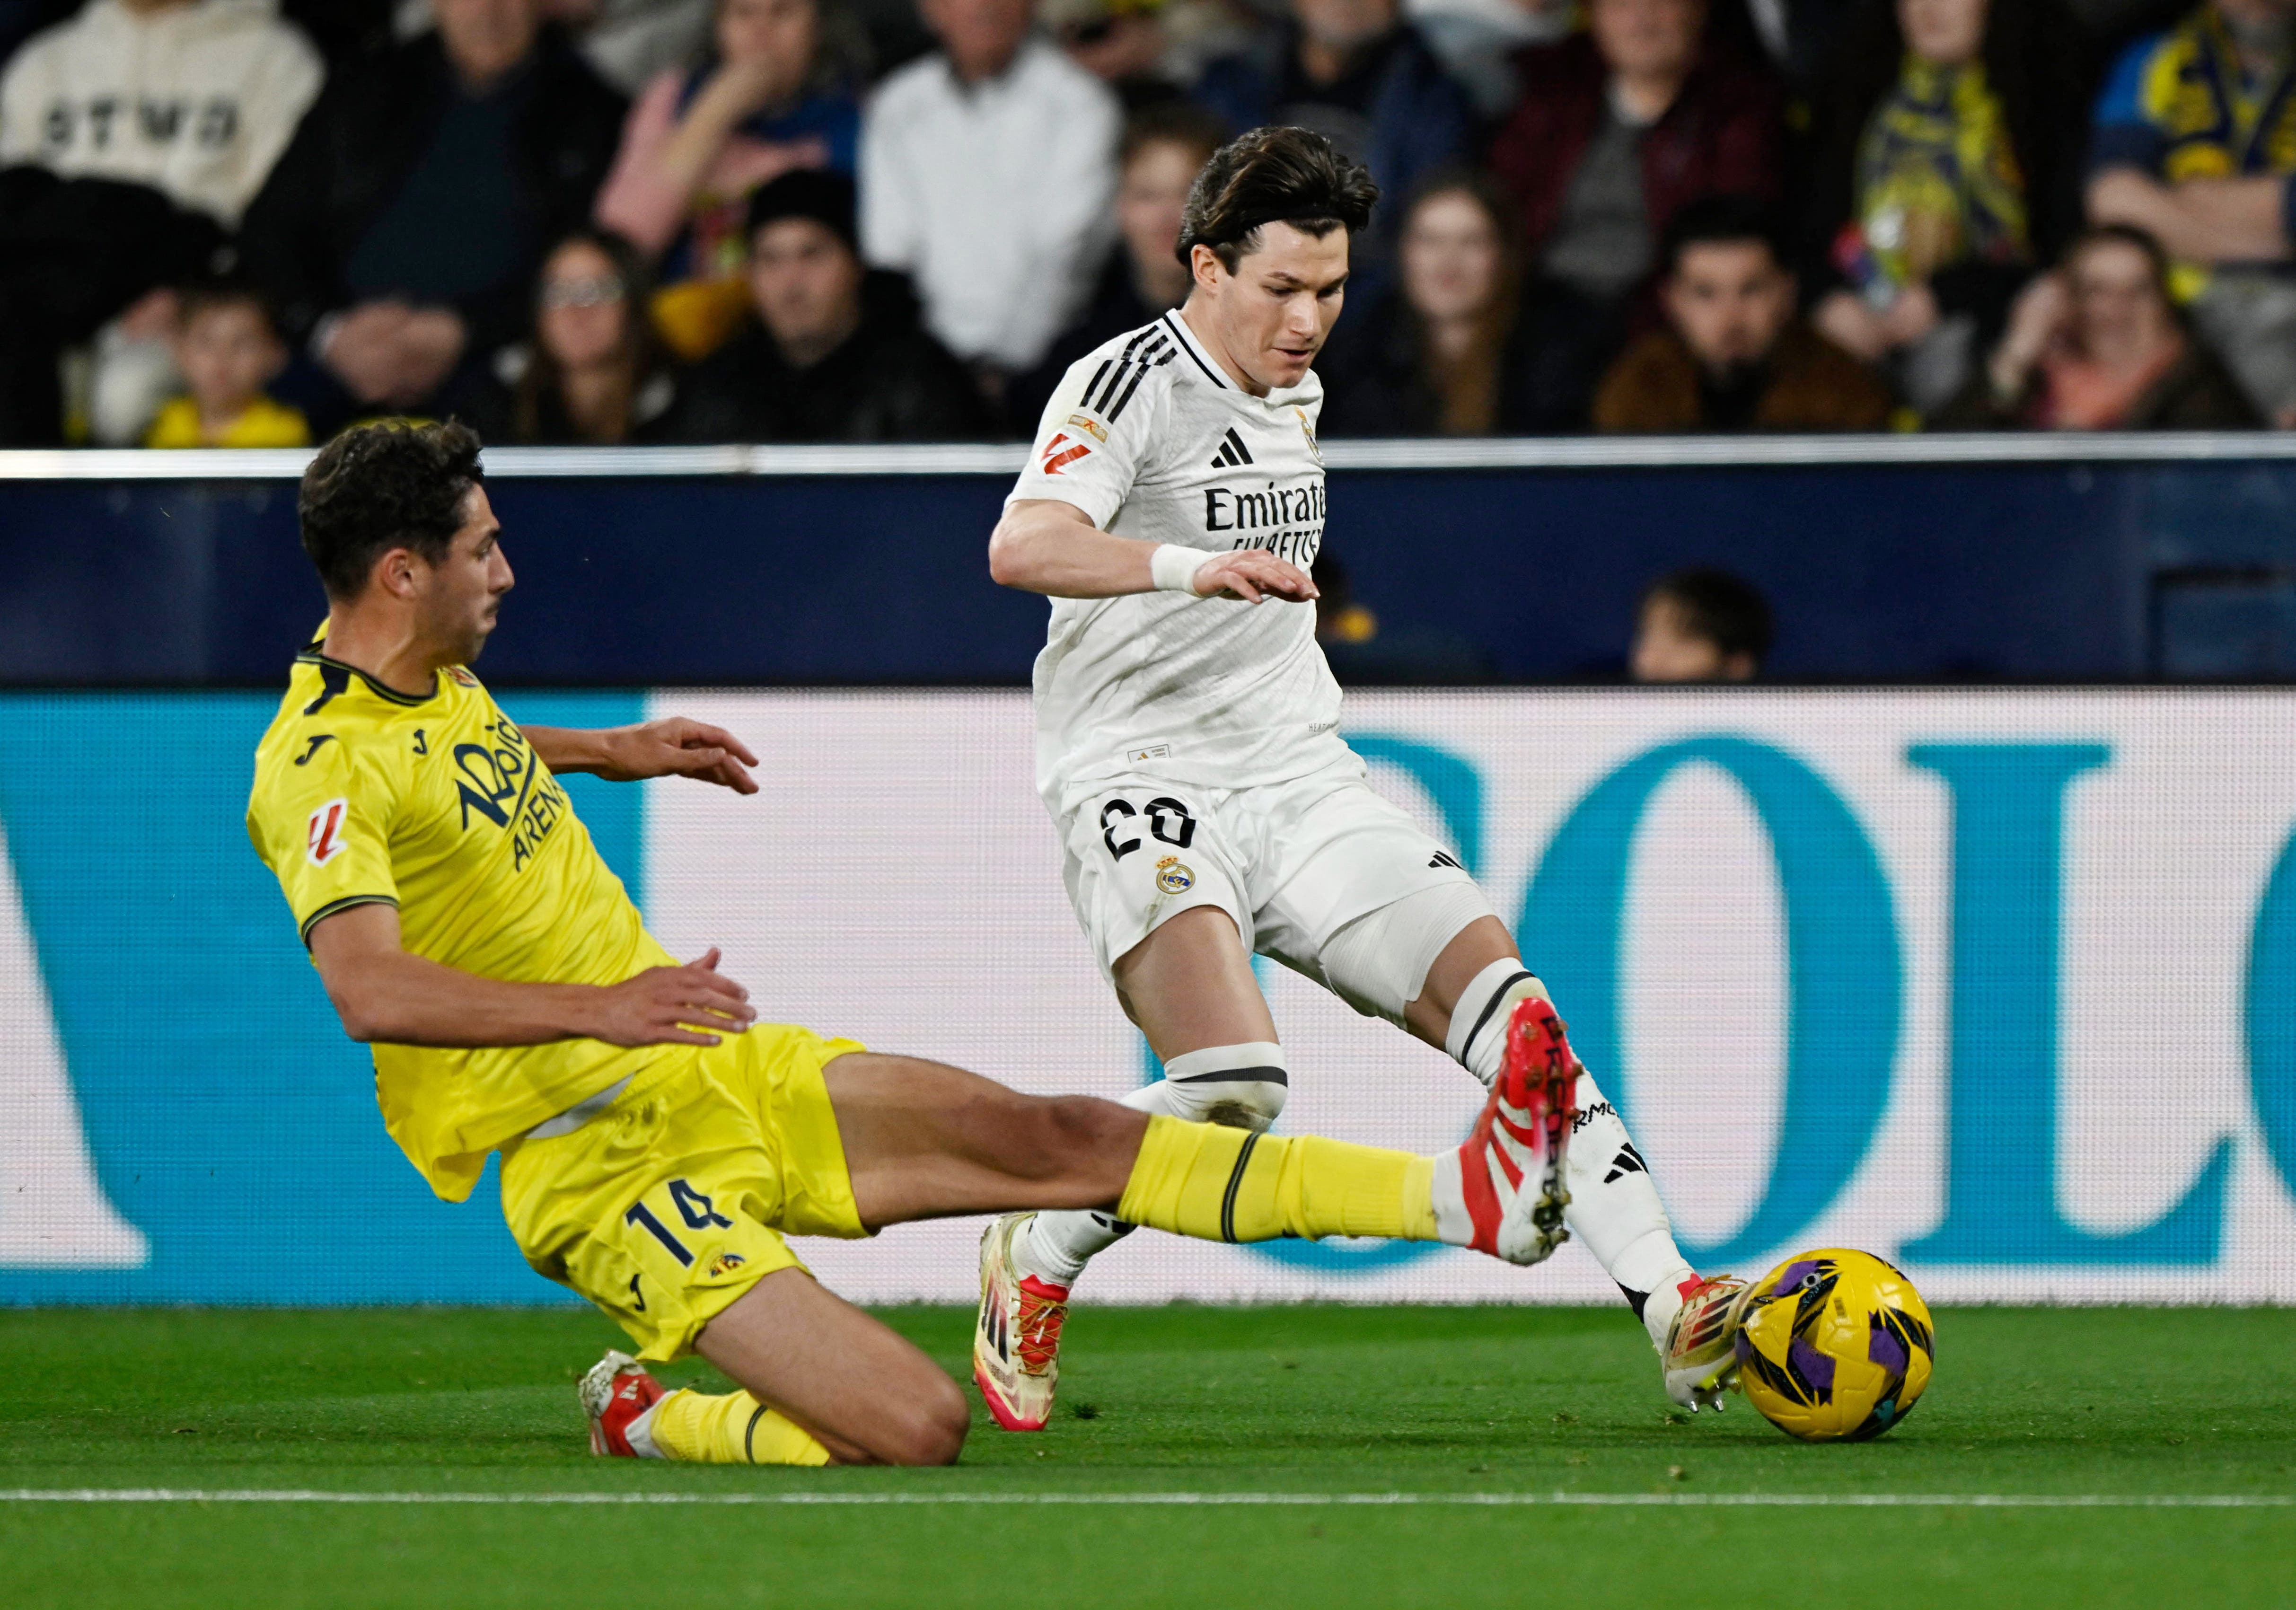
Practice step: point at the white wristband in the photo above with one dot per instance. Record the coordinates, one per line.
(1173, 568)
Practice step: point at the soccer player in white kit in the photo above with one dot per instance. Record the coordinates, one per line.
(1187, 746)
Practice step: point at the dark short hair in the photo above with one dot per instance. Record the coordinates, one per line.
(1727, 611)
(1172, 123)
(823, 194)
(1274, 176)
(393, 484)
(2123, 234)
(1721, 221)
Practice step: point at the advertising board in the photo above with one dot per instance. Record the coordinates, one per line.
(2000, 985)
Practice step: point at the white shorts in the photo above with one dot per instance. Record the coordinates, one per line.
(1293, 863)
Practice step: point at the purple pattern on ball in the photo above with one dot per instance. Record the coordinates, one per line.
(1815, 1367)
(1885, 1348)
(1792, 1275)
(1744, 1344)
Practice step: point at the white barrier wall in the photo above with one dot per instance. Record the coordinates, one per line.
(1997, 983)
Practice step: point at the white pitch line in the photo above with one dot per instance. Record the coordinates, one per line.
(1695, 1500)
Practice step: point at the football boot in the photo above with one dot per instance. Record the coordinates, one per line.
(1016, 1343)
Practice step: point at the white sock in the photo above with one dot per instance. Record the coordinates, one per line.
(1240, 1086)
(1616, 1215)
(640, 1432)
(1477, 1038)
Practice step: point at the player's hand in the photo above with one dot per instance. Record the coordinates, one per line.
(673, 1007)
(678, 747)
(1253, 575)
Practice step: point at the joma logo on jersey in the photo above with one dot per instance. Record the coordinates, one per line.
(322, 834)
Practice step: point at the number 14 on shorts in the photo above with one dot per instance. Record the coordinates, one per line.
(698, 1211)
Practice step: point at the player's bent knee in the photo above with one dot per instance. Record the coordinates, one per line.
(934, 1433)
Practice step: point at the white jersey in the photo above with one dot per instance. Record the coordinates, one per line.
(1152, 441)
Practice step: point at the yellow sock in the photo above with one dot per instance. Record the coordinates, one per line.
(731, 1429)
(1219, 1184)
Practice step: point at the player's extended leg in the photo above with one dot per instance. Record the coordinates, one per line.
(924, 1140)
(1190, 987)
(1461, 1003)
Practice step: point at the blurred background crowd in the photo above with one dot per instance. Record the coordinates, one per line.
(248, 222)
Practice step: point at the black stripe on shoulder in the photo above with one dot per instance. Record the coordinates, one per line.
(1099, 375)
(1107, 392)
(332, 907)
(333, 679)
(1139, 373)
(333, 672)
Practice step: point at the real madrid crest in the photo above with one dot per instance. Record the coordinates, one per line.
(1309, 432)
(1173, 876)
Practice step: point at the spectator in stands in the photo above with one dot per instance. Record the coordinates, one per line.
(1701, 626)
(227, 350)
(1165, 145)
(985, 173)
(629, 43)
(837, 353)
(1617, 130)
(1734, 356)
(188, 100)
(1437, 354)
(779, 91)
(2099, 346)
(1119, 42)
(1949, 167)
(2195, 145)
(594, 373)
(1476, 40)
(401, 233)
(1356, 72)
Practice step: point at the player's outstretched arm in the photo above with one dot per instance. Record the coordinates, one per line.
(673, 747)
(1045, 545)
(383, 992)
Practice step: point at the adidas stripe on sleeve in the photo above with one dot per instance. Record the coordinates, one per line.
(1099, 426)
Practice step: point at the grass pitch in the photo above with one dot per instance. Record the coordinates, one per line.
(1306, 1402)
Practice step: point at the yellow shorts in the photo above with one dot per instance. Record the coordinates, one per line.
(666, 1206)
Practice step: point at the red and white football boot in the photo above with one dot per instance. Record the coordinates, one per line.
(1016, 1341)
(618, 1395)
(1502, 1192)
(1701, 1355)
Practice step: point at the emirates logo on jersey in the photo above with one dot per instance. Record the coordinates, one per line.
(323, 835)
(1057, 456)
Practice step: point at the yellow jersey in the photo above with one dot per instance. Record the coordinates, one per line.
(262, 423)
(438, 806)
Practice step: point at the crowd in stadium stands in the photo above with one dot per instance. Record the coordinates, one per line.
(245, 223)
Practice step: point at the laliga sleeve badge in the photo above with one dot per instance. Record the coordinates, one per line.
(1173, 876)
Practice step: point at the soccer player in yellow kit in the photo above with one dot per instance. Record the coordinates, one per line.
(656, 1139)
